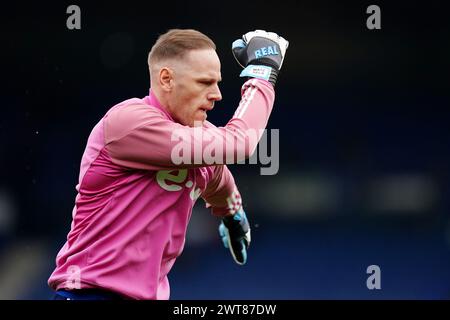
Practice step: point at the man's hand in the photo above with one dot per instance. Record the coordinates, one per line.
(261, 54)
(235, 233)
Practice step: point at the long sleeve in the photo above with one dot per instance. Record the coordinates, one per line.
(222, 195)
(140, 136)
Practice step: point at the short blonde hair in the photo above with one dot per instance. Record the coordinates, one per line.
(175, 43)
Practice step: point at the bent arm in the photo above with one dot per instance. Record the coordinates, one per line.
(222, 195)
(140, 137)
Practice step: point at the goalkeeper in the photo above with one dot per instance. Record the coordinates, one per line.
(134, 200)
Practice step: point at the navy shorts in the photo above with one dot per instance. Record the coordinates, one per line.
(86, 294)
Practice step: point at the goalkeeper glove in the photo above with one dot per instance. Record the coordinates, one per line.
(261, 54)
(235, 233)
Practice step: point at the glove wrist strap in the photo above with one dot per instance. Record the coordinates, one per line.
(261, 72)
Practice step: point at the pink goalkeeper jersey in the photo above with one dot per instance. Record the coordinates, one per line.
(134, 204)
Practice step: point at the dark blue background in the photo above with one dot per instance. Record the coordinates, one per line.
(353, 104)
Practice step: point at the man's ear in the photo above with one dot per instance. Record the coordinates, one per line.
(166, 78)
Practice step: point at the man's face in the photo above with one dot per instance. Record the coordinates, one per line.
(195, 86)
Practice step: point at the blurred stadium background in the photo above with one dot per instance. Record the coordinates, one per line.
(364, 145)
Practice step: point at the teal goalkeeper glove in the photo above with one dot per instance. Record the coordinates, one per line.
(261, 54)
(235, 233)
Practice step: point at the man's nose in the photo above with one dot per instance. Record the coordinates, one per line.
(215, 95)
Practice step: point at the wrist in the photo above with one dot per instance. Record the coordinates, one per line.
(237, 223)
(263, 72)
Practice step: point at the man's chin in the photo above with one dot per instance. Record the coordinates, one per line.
(198, 123)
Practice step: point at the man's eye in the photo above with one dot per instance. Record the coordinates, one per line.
(208, 83)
